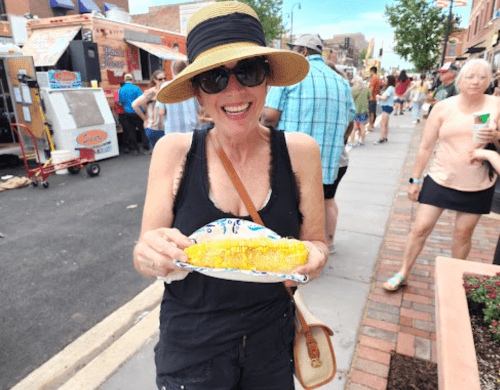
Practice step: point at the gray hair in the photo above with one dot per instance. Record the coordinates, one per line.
(358, 80)
(469, 65)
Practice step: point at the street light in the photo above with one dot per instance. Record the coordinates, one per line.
(444, 4)
(291, 23)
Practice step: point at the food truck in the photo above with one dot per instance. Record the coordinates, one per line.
(102, 48)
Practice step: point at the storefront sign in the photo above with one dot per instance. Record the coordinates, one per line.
(108, 60)
(92, 137)
(61, 79)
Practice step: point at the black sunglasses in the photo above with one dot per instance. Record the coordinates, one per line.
(249, 73)
(162, 79)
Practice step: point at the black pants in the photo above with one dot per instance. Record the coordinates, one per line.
(262, 361)
(372, 108)
(131, 122)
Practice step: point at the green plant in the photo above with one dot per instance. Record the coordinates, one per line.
(486, 292)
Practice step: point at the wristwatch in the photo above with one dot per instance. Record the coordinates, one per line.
(412, 180)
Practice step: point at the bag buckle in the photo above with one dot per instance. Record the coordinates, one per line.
(316, 363)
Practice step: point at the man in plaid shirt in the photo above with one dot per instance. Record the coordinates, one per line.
(321, 105)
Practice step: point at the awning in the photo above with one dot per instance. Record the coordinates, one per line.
(163, 52)
(108, 6)
(62, 3)
(47, 45)
(87, 6)
(472, 50)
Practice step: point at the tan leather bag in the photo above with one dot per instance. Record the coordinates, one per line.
(315, 363)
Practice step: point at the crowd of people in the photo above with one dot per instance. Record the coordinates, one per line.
(285, 120)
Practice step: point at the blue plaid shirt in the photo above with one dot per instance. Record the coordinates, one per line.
(321, 105)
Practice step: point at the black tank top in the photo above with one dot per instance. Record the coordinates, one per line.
(203, 316)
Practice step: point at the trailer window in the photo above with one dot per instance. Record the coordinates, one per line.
(3, 13)
(149, 63)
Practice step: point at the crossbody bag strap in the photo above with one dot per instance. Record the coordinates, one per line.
(312, 345)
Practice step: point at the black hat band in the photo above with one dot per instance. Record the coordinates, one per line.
(221, 30)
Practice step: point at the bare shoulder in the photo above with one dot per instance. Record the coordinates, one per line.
(300, 142)
(150, 93)
(171, 150)
(304, 151)
(440, 108)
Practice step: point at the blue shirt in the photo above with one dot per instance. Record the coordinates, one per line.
(389, 92)
(180, 117)
(321, 105)
(126, 96)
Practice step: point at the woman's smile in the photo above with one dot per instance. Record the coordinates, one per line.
(238, 109)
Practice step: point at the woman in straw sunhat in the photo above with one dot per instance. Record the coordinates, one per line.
(217, 333)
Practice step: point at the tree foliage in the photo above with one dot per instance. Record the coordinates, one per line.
(362, 54)
(419, 31)
(269, 12)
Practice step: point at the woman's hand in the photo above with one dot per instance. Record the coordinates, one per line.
(156, 250)
(413, 192)
(315, 263)
(479, 155)
(487, 134)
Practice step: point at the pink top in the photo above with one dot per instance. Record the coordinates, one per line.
(451, 167)
(401, 87)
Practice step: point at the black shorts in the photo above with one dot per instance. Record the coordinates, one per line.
(475, 202)
(329, 190)
(372, 106)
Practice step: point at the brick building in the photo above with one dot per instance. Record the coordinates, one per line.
(344, 49)
(482, 34)
(13, 20)
(170, 17)
(456, 46)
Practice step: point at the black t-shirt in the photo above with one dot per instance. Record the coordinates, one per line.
(202, 316)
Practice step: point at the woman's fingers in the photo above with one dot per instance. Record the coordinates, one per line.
(413, 192)
(486, 134)
(171, 242)
(158, 249)
(314, 266)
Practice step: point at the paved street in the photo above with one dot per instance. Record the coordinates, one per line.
(77, 290)
(66, 259)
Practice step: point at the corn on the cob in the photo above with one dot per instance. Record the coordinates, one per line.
(257, 254)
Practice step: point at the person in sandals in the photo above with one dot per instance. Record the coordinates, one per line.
(453, 182)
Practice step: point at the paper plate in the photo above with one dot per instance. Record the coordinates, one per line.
(237, 228)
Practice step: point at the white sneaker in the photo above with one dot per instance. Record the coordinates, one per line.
(414, 122)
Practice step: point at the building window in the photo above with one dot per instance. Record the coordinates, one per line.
(149, 63)
(3, 12)
(477, 24)
(496, 60)
(452, 47)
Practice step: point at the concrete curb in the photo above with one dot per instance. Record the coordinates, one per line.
(95, 355)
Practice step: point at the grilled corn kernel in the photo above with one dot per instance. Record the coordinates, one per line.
(256, 254)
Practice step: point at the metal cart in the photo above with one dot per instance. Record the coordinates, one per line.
(42, 172)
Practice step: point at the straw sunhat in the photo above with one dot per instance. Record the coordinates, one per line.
(225, 32)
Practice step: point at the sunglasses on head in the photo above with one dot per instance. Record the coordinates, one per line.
(249, 73)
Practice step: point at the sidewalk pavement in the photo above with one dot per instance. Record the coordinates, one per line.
(369, 323)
